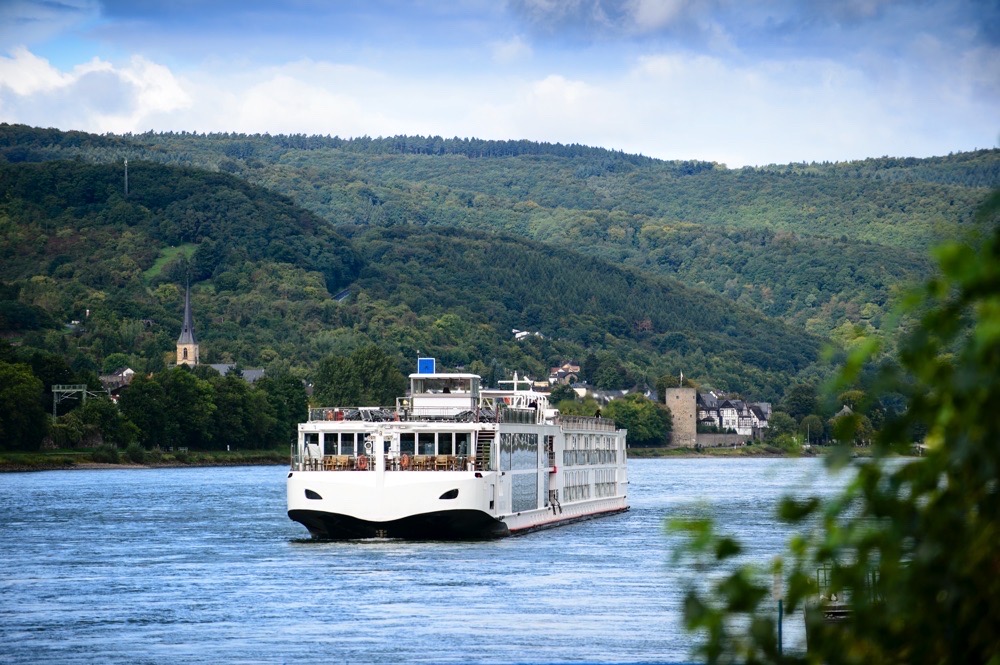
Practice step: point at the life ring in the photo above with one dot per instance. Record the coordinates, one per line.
(362, 462)
(404, 461)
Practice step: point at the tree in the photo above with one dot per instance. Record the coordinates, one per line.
(189, 405)
(23, 422)
(811, 427)
(561, 392)
(925, 529)
(572, 407)
(647, 422)
(367, 378)
(287, 397)
(144, 403)
(856, 399)
(589, 368)
(780, 423)
(801, 401)
(113, 361)
(107, 419)
(243, 417)
(672, 381)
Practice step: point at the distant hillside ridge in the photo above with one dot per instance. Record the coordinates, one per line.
(824, 246)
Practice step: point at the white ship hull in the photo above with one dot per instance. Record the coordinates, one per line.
(350, 505)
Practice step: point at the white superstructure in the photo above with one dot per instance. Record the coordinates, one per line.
(453, 461)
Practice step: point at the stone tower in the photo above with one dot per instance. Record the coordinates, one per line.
(682, 403)
(187, 345)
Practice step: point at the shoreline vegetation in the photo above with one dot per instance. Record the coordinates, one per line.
(95, 458)
(98, 458)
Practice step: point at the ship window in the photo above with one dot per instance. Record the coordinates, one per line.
(330, 443)
(445, 444)
(311, 438)
(462, 443)
(425, 443)
(406, 443)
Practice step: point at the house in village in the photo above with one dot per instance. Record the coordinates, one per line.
(729, 414)
(567, 374)
(113, 382)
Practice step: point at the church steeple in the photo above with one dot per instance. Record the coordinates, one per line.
(187, 345)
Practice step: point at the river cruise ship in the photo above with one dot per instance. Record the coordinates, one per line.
(453, 460)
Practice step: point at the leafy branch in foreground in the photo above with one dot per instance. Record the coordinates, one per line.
(910, 548)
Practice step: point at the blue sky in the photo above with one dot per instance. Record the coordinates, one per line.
(732, 81)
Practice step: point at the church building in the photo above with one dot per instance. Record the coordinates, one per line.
(187, 345)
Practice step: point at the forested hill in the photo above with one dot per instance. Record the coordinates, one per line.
(822, 246)
(70, 217)
(512, 283)
(74, 247)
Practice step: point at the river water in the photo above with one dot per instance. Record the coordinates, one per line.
(203, 565)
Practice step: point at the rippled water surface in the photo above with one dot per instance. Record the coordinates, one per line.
(203, 565)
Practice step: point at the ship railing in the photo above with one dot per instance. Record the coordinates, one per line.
(518, 416)
(401, 413)
(393, 462)
(587, 423)
(444, 413)
(353, 413)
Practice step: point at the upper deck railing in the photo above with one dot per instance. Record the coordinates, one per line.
(587, 423)
(489, 413)
(400, 414)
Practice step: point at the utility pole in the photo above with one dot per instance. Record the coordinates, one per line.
(126, 177)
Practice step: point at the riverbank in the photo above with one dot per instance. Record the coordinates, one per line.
(97, 458)
(756, 451)
(54, 460)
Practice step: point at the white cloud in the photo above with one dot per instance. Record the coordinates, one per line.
(669, 105)
(94, 96)
(511, 50)
(652, 15)
(24, 73)
(158, 89)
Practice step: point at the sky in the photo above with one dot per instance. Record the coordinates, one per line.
(738, 82)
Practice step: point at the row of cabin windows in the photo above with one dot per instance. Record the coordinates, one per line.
(577, 484)
(577, 457)
(435, 443)
(591, 442)
(411, 443)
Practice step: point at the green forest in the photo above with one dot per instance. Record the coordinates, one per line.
(300, 249)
